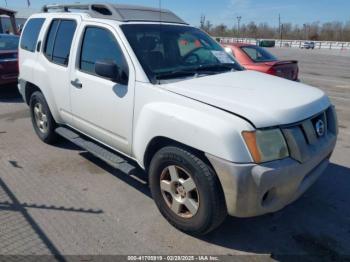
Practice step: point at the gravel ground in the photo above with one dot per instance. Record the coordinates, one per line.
(61, 200)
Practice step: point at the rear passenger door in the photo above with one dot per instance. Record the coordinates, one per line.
(27, 47)
(102, 108)
(54, 61)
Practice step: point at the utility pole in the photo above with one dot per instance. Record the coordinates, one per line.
(280, 28)
(238, 24)
(279, 23)
(6, 2)
(281, 35)
(202, 21)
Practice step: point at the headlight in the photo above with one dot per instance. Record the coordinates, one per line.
(229, 51)
(266, 145)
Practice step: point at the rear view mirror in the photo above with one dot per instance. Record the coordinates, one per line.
(110, 70)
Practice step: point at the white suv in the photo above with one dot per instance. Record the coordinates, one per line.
(214, 138)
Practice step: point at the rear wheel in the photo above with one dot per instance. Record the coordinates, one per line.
(186, 191)
(42, 120)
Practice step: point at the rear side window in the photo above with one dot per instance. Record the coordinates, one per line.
(59, 41)
(99, 44)
(51, 39)
(258, 54)
(31, 33)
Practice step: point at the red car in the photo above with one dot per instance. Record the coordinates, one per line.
(8, 59)
(253, 57)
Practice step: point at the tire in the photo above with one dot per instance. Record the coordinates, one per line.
(46, 128)
(207, 196)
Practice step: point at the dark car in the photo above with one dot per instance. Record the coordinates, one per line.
(8, 59)
(256, 58)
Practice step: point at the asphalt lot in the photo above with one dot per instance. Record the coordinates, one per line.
(61, 200)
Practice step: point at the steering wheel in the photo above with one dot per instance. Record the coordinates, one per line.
(191, 58)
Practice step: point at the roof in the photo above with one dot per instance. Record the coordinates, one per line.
(122, 13)
(5, 11)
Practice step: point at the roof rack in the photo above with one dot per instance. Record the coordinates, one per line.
(123, 13)
(65, 8)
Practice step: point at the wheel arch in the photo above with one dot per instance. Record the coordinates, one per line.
(205, 129)
(30, 88)
(160, 142)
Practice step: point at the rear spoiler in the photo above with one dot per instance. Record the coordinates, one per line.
(286, 62)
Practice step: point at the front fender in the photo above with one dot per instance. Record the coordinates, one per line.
(204, 128)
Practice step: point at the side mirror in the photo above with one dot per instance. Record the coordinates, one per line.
(110, 70)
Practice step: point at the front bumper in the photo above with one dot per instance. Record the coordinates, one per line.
(252, 190)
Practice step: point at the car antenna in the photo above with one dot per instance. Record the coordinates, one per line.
(160, 25)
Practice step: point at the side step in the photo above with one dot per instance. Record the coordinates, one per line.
(98, 151)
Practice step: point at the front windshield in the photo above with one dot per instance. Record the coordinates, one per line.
(171, 51)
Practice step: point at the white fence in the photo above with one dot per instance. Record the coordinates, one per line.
(290, 43)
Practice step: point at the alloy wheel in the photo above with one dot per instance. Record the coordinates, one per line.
(179, 191)
(40, 118)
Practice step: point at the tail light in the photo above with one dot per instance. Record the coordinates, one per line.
(296, 73)
(271, 71)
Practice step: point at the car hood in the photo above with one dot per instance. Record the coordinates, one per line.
(262, 99)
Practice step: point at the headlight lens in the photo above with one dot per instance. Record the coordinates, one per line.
(266, 145)
(229, 51)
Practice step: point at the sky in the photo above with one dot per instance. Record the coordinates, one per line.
(226, 11)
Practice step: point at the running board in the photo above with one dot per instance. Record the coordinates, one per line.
(98, 151)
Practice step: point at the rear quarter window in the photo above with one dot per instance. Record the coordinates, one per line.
(258, 54)
(31, 33)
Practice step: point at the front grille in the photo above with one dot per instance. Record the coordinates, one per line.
(304, 140)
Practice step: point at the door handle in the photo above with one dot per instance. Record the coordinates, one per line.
(76, 83)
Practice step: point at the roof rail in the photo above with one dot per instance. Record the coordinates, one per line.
(125, 13)
(66, 7)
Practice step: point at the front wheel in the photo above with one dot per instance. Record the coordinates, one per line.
(186, 190)
(42, 120)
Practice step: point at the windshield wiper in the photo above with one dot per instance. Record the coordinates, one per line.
(215, 67)
(193, 71)
(174, 74)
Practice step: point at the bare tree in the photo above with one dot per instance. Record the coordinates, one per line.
(329, 31)
(208, 26)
